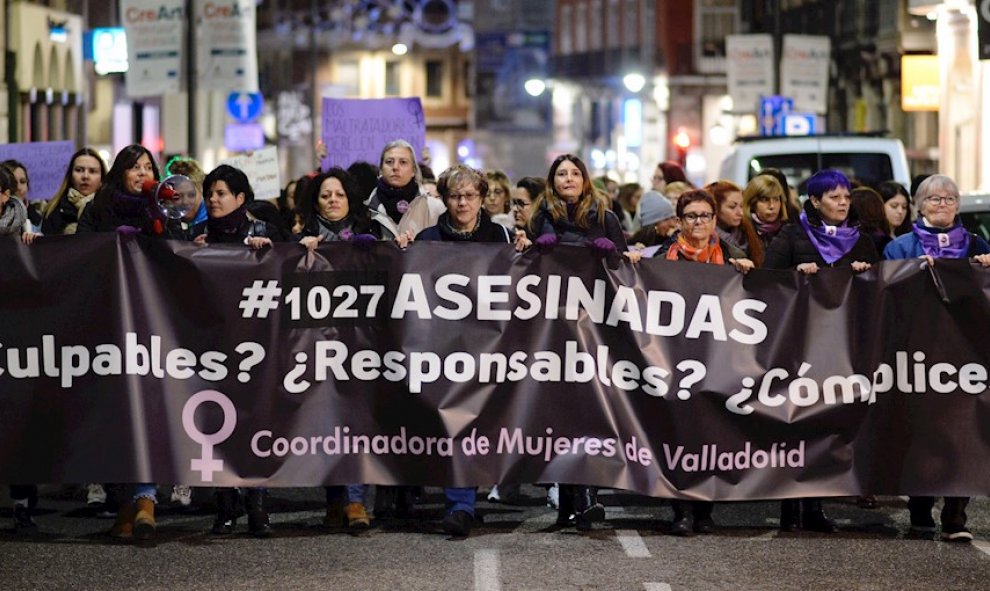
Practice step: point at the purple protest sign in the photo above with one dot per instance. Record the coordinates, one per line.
(46, 163)
(358, 129)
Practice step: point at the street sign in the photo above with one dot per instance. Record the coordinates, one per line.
(244, 107)
(772, 110)
(799, 123)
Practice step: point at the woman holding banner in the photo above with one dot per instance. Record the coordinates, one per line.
(764, 203)
(938, 234)
(826, 235)
(399, 195)
(228, 193)
(121, 206)
(463, 190)
(82, 180)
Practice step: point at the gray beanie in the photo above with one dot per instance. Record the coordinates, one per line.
(654, 208)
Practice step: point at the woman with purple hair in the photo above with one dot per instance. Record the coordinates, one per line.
(826, 235)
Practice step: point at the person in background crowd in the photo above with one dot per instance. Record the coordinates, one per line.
(870, 210)
(916, 181)
(763, 204)
(429, 181)
(464, 190)
(732, 225)
(35, 214)
(527, 190)
(497, 203)
(83, 178)
(897, 207)
(674, 191)
(228, 193)
(666, 173)
(609, 186)
(792, 204)
(697, 241)
(570, 211)
(658, 218)
(827, 235)
(121, 206)
(365, 175)
(628, 207)
(286, 203)
(938, 234)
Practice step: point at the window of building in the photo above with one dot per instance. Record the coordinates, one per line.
(714, 21)
(612, 25)
(595, 16)
(566, 40)
(581, 28)
(393, 84)
(434, 78)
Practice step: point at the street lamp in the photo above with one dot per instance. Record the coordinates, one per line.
(400, 49)
(634, 81)
(535, 86)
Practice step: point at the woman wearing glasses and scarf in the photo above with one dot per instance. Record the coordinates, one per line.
(938, 234)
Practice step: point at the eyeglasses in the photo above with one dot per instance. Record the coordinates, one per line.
(946, 199)
(694, 218)
(519, 203)
(469, 197)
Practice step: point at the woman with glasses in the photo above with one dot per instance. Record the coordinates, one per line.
(497, 202)
(938, 234)
(826, 235)
(527, 190)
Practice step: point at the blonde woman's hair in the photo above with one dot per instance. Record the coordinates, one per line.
(764, 186)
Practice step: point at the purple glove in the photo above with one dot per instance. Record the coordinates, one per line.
(364, 241)
(547, 242)
(128, 231)
(601, 246)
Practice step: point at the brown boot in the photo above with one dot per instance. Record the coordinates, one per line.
(123, 527)
(357, 517)
(144, 520)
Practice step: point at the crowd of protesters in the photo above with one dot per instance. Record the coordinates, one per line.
(761, 225)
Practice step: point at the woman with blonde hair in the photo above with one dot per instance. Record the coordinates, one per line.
(763, 204)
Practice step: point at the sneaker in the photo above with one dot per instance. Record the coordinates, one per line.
(493, 496)
(957, 535)
(182, 495)
(553, 496)
(357, 517)
(95, 495)
(457, 524)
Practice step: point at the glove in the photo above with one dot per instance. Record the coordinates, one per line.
(547, 242)
(128, 231)
(601, 246)
(364, 241)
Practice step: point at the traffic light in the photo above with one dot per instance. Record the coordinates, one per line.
(682, 142)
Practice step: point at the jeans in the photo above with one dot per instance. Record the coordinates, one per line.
(351, 493)
(461, 499)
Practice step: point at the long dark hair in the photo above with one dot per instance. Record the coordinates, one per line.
(63, 189)
(890, 189)
(590, 197)
(357, 210)
(113, 181)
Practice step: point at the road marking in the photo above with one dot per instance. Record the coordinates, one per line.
(656, 586)
(982, 546)
(632, 543)
(765, 537)
(486, 571)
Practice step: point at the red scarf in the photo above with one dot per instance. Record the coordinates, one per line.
(711, 253)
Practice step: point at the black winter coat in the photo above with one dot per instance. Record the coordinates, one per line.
(792, 247)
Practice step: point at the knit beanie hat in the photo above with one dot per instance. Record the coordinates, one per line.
(654, 208)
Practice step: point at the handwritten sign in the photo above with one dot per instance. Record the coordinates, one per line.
(46, 163)
(358, 129)
(261, 168)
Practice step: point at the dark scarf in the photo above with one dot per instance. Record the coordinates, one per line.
(831, 242)
(485, 230)
(939, 243)
(234, 224)
(332, 231)
(735, 237)
(396, 200)
(126, 205)
(764, 228)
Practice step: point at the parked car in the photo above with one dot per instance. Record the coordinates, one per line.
(866, 158)
(974, 209)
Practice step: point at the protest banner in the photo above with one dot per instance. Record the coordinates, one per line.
(357, 129)
(467, 364)
(261, 168)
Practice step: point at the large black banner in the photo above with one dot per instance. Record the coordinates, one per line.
(126, 360)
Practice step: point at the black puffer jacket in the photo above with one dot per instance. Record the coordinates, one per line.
(792, 247)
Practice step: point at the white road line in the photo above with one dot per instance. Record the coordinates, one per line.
(982, 546)
(765, 537)
(486, 576)
(656, 586)
(632, 543)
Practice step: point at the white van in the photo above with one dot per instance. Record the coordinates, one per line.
(868, 159)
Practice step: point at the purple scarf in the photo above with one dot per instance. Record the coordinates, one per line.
(942, 244)
(832, 242)
(764, 228)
